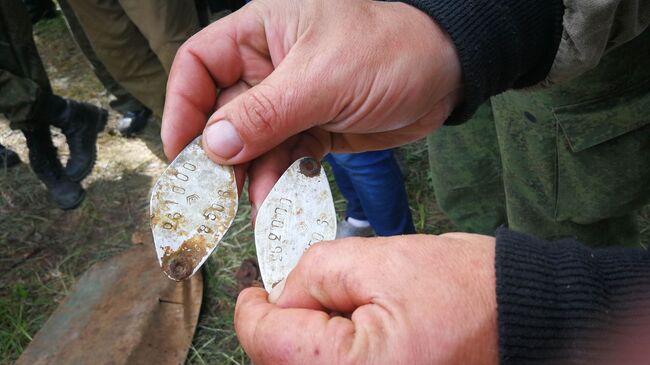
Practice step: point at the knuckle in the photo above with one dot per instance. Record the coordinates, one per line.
(259, 112)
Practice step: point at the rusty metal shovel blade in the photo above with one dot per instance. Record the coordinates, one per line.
(298, 212)
(122, 311)
(192, 206)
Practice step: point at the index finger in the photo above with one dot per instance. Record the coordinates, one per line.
(233, 48)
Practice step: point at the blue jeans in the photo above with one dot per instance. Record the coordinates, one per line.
(373, 185)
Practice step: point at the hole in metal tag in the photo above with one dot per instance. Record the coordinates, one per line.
(192, 206)
(298, 212)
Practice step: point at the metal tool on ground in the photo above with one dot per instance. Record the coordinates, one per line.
(298, 212)
(192, 206)
(122, 311)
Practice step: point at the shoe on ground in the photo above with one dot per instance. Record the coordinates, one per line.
(81, 126)
(65, 193)
(40, 9)
(8, 157)
(346, 229)
(133, 122)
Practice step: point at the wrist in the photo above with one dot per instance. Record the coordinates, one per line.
(501, 44)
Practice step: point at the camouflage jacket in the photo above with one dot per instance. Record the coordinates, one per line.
(591, 29)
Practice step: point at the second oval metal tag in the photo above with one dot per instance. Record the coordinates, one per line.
(298, 212)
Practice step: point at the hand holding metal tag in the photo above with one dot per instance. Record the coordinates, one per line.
(298, 212)
(192, 206)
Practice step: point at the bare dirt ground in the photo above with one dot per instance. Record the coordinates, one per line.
(43, 250)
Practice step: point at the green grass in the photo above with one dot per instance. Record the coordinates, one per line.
(44, 250)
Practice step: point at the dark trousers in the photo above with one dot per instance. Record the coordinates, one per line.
(373, 186)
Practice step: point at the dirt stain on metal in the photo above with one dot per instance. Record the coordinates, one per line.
(180, 264)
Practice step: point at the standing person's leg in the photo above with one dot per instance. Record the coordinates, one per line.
(356, 223)
(466, 173)
(27, 100)
(124, 102)
(123, 50)
(379, 185)
(134, 114)
(165, 24)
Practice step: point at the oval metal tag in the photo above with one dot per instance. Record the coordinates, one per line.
(192, 206)
(298, 212)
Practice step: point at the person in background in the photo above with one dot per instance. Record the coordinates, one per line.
(373, 187)
(134, 114)
(136, 41)
(571, 160)
(27, 100)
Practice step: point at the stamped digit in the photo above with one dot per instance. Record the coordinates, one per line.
(175, 216)
(178, 189)
(189, 167)
(204, 229)
(182, 177)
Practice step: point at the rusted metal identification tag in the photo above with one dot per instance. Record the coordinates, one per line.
(192, 206)
(298, 212)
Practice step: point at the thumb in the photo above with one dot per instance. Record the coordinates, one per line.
(336, 276)
(282, 105)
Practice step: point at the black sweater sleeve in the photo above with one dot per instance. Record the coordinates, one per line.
(502, 44)
(563, 303)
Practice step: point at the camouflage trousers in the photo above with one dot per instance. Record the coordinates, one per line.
(569, 161)
(23, 79)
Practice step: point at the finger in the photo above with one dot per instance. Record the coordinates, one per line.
(224, 97)
(228, 94)
(290, 100)
(271, 335)
(350, 142)
(335, 275)
(213, 58)
(267, 169)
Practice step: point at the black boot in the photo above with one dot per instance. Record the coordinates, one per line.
(65, 193)
(8, 158)
(81, 122)
(40, 9)
(133, 122)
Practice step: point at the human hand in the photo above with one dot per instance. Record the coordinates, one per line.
(337, 75)
(406, 300)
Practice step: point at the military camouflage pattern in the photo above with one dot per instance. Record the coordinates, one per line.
(573, 160)
(466, 173)
(22, 76)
